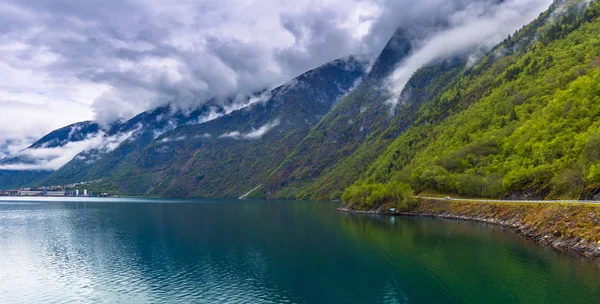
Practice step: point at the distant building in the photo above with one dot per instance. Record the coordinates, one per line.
(30, 193)
(40, 193)
(55, 193)
(85, 192)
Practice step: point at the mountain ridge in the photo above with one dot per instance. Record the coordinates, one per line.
(325, 85)
(339, 125)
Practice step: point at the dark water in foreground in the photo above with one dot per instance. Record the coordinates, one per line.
(141, 251)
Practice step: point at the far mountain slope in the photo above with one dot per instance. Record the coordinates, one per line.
(124, 139)
(71, 133)
(232, 154)
(39, 159)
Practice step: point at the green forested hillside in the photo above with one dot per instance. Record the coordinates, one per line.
(523, 124)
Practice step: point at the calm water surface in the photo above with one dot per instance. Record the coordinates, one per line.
(152, 251)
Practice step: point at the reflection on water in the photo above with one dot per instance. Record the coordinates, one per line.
(270, 252)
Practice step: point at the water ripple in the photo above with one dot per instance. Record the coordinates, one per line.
(268, 253)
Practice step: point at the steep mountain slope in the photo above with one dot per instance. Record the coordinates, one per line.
(16, 170)
(71, 133)
(123, 139)
(74, 133)
(523, 123)
(342, 145)
(227, 156)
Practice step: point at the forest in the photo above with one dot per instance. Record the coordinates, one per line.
(523, 123)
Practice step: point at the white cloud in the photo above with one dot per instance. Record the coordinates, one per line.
(474, 27)
(212, 114)
(254, 134)
(62, 62)
(50, 159)
(169, 139)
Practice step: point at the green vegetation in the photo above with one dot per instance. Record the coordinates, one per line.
(517, 124)
(521, 125)
(365, 196)
(345, 142)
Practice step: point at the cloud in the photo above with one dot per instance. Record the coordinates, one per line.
(477, 26)
(63, 61)
(12, 146)
(169, 139)
(50, 159)
(254, 134)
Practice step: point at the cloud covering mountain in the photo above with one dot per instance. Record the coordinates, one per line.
(65, 61)
(478, 27)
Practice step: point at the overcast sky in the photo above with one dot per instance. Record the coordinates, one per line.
(64, 61)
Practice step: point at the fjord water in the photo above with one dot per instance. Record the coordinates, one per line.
(152, 251)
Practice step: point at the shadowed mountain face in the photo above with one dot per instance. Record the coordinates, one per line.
(16, 177)
(223, 157)
(394, 52)
(360, 114)
(75, 148)
(72, 133)
(123, 139)
(233, 154)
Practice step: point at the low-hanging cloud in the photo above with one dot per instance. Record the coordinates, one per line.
(50, 159)
(170, 139)
(65, 61)
(254, 134)
(478, 26)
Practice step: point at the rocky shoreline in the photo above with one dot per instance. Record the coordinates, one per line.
(517, 218)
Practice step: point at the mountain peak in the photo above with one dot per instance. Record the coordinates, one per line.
(72, 133)
(396, 49)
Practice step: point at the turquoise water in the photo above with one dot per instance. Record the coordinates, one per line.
(152, 251)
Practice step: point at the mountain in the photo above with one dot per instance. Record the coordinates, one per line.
(342, 145)
(523, 123)
(226, 156)
(519, 122)
(71, 133)
(36, 161)
(74, 150)
(123, 139)
(62, 137)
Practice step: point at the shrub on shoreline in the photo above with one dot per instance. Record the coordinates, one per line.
(367, 196)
